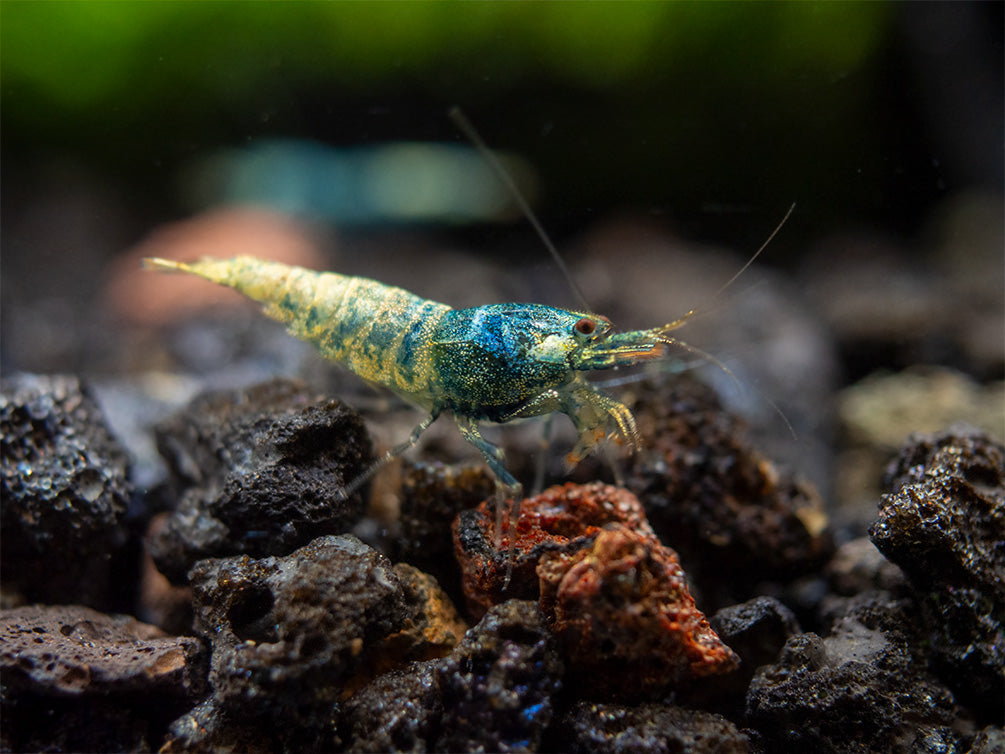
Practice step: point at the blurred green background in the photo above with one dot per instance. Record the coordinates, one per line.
(705, 112)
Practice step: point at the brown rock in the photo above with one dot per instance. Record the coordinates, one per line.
(615, 597)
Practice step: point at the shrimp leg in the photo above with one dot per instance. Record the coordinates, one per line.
(506, 484)
(390, 455)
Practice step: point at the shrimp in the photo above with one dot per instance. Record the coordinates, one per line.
(493, 363)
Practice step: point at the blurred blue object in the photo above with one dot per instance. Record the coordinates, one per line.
(397, 183)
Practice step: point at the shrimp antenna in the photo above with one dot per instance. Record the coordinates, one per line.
(461, 121)
(757, 253)
(681, 321)
(669, 340)
(707, 356)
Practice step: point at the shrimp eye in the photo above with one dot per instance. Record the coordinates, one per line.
(586, 326)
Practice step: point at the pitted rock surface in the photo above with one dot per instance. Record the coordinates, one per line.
(258, 471)
(64, 491)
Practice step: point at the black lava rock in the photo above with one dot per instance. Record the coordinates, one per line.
(858, 690)
(647, 729)
(943, 523)
(289, 636)
(498, 684)
(880, 610)
(494, 692)
(258, 471)
(989, 740)
(857, 566)
(732, 516)
(398, 712)
(75, 679)
(295, 624)
(432, 496)
(756, 630)
(64, 492)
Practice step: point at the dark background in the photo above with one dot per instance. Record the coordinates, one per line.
(711, 118)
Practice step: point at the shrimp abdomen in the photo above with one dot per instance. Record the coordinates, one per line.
(380, 332)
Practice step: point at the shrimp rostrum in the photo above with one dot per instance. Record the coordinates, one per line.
(493, 363)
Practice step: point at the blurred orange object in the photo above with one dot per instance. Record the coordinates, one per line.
(135, 295)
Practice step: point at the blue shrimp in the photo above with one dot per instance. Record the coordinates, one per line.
(496, 363)
(493, 363)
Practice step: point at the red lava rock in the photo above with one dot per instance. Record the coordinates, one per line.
(625, 618)
(613, 594)
(561, 517)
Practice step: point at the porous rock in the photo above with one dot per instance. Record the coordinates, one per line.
(879, 413)
(494, 692)
(75, 679)
(858, 566)
(434, 627)
(160, 602)
(943, 523)
(498, 684)
(989, 740)
(64, 492)
(756, 630)
(734, 518)
(500, 565)
(625, 620)
(615, 597)
(646, 729)
(399, 711)
(431, 497)
(858, 690)
(292, 635)
(283, 626)
(257, 471)
(879, 610)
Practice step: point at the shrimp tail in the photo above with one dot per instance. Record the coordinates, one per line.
(382, 333)
(223, 271)
(164, 265)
